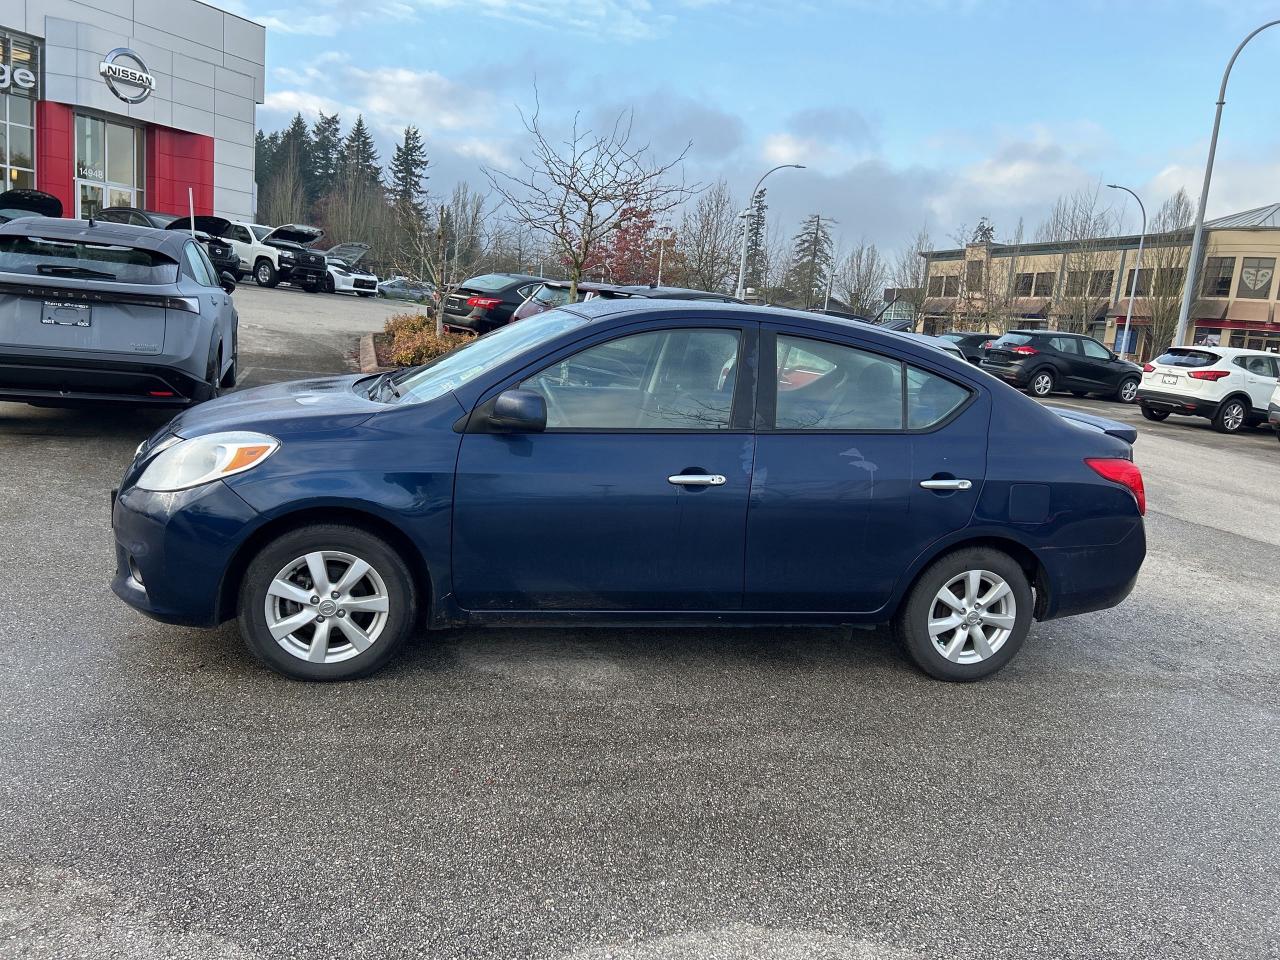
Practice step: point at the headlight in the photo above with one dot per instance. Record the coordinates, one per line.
(189, 463)
(286, 256)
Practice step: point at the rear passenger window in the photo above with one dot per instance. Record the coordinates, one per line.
(826, 386)
(930, 398)
(1063, 344)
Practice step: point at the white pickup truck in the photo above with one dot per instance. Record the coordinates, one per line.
(278, 254)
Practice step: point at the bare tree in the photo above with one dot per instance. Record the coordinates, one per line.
(907, 273)
(1000, 294)
(286, 196)
(577, 190)
(707, 242)
(1167, 254)
(449, 247)
(1079, 222)
(860, 279)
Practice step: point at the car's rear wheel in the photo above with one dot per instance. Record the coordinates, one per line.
(265, 274)
(967, 614)
(1128, 391)
(1230, 416)
(326, 602)
(1042, 383)
(1155, 415)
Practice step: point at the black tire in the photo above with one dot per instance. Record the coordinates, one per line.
(364, 293)
(265, 274)
(238, 274)
(1042, 383)
(922, 605)
(278, 555)
(212, 386)
(1155, 415)
(311, 287)
(1127, 392)
(1231, 415)
(328, 283)
(229, 378)
(1079, 393)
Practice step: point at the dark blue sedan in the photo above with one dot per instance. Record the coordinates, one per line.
(622, 462)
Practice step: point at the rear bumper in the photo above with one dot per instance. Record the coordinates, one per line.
(1014, 373)
(69, 382)
(1178, 403)
(1083, 579)
(1273, 416)
(475, 323)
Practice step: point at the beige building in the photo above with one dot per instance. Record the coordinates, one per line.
(1084, 286)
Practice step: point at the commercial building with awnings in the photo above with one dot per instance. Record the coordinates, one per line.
(1086, 286)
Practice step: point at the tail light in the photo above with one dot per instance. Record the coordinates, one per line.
(483, 303)
(1025, 351)
(1148, 368)
(1213, 376)
(160, 393)
(1123, 472)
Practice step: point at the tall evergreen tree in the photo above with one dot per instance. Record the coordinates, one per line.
(326, 150)
(812, 256)
(756, 241)
(409, 173)
(359, 162)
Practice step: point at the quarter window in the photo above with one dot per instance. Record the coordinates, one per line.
(662, 380)
(1255, 278)
(930, 398)
(195, 267)
(826, 386)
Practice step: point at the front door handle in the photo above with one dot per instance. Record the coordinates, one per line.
(947, 484)
(697, 480)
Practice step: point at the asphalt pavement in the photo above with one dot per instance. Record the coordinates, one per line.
(640, 795)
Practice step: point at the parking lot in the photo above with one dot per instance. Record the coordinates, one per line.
(634, 794)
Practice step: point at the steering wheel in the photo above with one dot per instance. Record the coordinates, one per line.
(554, 409)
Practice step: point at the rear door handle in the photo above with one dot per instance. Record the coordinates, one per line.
(697, 480)
(947, 484)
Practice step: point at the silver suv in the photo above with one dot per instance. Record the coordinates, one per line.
(93, 312)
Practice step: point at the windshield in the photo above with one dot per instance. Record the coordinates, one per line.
(451, 371)
(39, 256)
(552, 296)
(260, 233)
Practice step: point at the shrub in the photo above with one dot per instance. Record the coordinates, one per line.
(414, 340)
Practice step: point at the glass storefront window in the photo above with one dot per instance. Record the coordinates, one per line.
(119, 154)
(108, 165)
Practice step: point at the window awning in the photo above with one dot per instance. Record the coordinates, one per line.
(1254, 311)
(939, 304)
(1209, 310)
(1030, 306)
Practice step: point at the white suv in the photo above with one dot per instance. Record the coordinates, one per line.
(1230, 386)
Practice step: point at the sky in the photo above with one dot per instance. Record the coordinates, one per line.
(906, 113)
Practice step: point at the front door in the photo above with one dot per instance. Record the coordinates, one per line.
(1259, 380)
(635, 496)
(861, 462)
(1099, 367)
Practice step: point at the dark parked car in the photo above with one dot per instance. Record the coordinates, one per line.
(487, 302)
(94, 312)
(970, 344)
(618, 461)
(1042, 361)
(402, 288)
(555, 293)
(15, 204)
(208, 233)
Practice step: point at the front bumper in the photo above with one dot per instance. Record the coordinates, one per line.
(1177, 403)
(79, 381)
(301, 273)
(173, 549)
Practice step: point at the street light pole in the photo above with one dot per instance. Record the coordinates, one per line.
(1137, 266)
(741, 292)
(1198, 236)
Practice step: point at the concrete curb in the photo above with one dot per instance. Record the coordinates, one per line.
(369, 356)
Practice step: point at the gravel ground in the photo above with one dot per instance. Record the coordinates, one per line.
(647, 795)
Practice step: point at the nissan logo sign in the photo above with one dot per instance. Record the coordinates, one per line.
(127, 75)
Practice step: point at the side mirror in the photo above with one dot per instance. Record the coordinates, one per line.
(227, 281)
(519, 411)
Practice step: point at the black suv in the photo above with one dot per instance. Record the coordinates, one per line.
(969, 344)
(1042, 361)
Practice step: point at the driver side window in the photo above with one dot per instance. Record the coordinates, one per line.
(662, 380)
(1095, 350)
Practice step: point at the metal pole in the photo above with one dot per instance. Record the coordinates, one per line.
(1198, 236)
(740, 291)
(1137, 266)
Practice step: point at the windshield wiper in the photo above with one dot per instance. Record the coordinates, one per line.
(66, 271)
(384, 382)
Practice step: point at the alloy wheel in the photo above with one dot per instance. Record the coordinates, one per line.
(1042, 384)
(326, 607)
(264, 274)
(1128, 390)
(1233, 416)
(972, 616)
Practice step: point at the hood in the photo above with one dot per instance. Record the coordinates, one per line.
(348, 254)
(213, 226)
(314, 407)
(26, 203)
(298, 233)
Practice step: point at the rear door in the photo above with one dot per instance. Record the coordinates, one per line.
(1070, 360)
(862, 461)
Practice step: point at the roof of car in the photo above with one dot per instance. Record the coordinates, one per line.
(1229, 351)
(168, 242)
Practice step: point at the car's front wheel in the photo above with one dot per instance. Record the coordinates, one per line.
(1230, 416)
(1041, 383)
(1128, 390)
(327, 602)
(967, 614)
(1155, 415)
(265, 274)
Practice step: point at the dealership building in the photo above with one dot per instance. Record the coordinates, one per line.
(142, 103)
